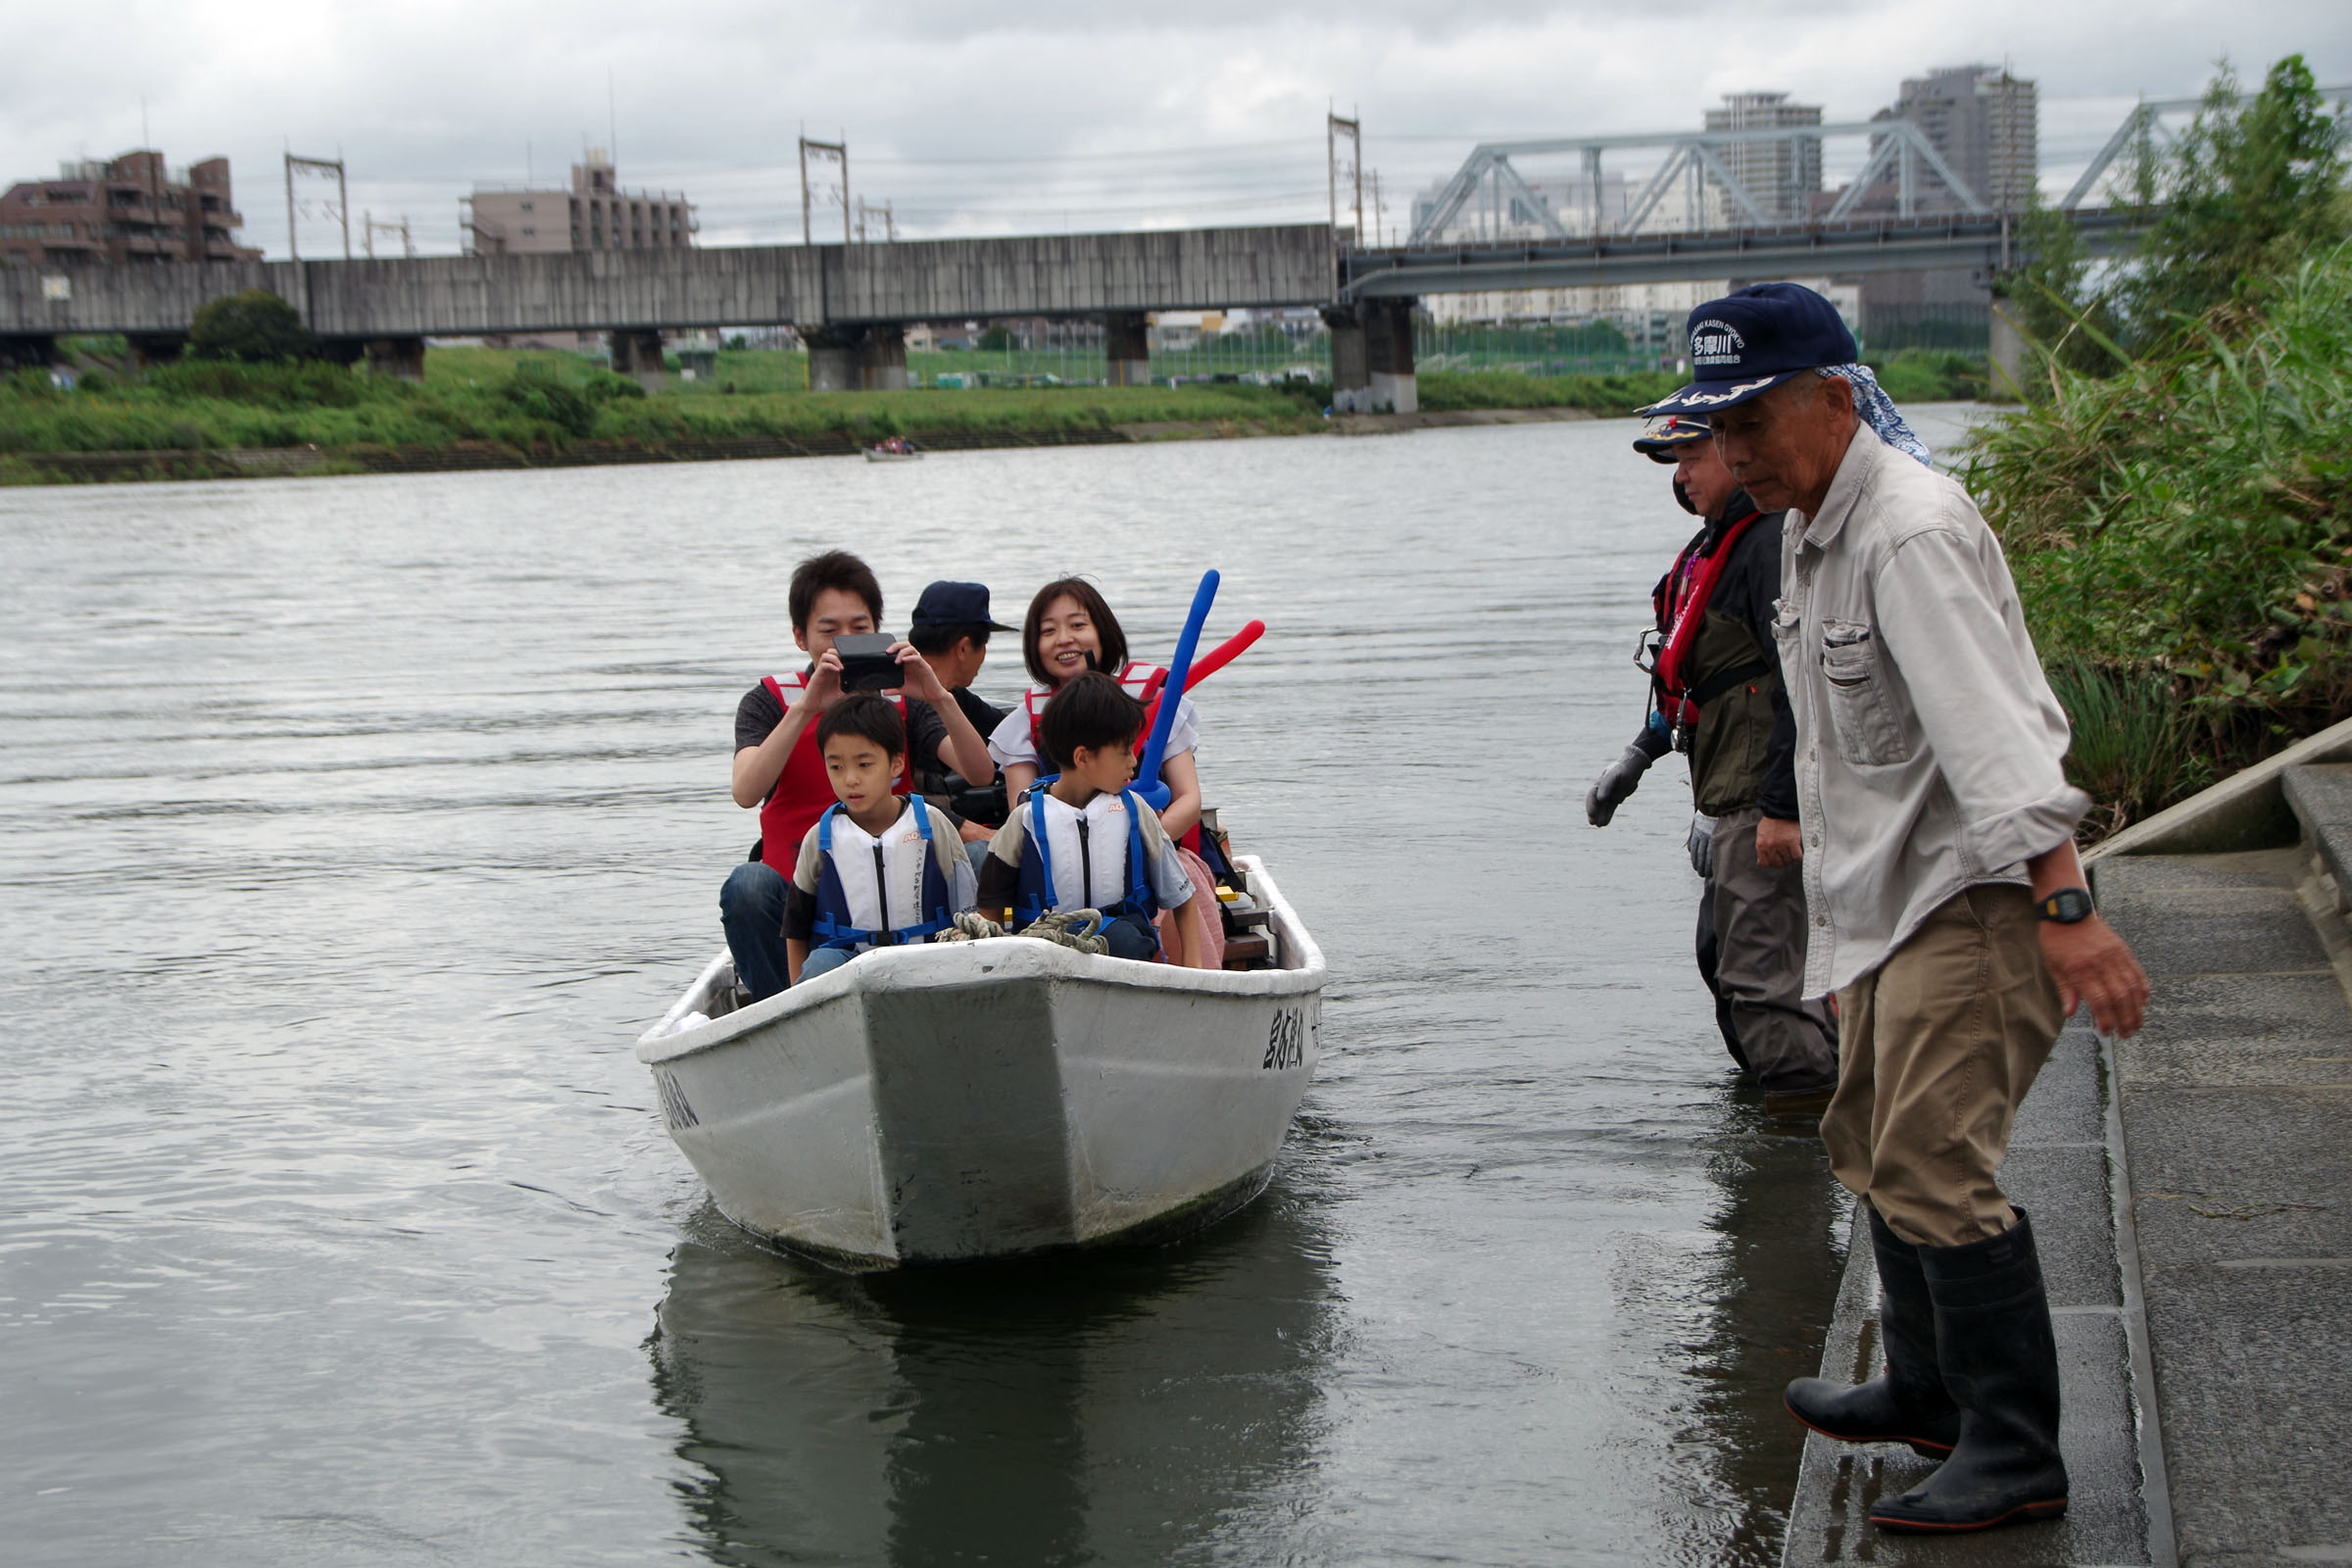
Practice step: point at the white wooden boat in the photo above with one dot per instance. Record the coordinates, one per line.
(974, 1100)
(885, 454)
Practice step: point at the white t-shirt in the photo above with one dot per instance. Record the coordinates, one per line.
(1012, 743)
(1090, 873)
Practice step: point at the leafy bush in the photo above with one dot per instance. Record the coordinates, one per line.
(2190, 517)
(605, 386)
(2247, 192)
(537, 394)
(253, 327)
(2136, 749)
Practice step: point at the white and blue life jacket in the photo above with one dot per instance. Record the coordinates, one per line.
(836, 924)
(1035, 895)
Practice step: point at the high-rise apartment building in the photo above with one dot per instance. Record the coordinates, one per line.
(594, 214)
(1985, 124)
(1781, 176)
(130, 209)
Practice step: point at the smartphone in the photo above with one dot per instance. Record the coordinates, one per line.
(866, 662)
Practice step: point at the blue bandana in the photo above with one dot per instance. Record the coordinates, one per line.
(1874, 407)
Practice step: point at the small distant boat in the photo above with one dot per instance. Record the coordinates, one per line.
(984, 1100)
(898, 449)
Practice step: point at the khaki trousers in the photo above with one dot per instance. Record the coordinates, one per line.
(1937, 1049)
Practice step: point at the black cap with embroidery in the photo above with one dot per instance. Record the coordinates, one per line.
(955, 604)
(1665, 438)
(1746, 344)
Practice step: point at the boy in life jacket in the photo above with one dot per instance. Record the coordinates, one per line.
(879, 869)
(1716, 692)
(1084, 840)
(779, 771)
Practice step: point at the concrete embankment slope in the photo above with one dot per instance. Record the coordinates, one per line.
(2194, 1191)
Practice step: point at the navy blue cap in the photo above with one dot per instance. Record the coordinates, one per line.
(1746, 344)
(955, 604)
(1662, 441)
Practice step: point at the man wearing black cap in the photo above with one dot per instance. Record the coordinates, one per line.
(1947, 906)
(1716, 692)
(951, 628)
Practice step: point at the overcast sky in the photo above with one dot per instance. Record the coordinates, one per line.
(1039, 116)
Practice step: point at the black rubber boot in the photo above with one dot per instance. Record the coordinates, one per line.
(1907, 1401)
(2000, 1365)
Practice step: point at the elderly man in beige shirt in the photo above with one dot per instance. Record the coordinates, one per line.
(1946, 904)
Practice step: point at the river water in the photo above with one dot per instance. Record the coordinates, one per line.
(350, 830)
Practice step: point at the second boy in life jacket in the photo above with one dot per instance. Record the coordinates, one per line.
(1716, 694)
(1084, 839)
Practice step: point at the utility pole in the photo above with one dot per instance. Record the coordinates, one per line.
(317, 166)
(371, 227)
(1335, 130)
(889, 225)
(839, 152)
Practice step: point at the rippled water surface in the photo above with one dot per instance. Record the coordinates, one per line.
(350, 830)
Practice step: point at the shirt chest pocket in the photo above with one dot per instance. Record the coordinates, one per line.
(1860, 708)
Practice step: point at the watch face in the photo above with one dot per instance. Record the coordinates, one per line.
(2067, 905)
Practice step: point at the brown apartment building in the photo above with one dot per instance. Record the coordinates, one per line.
(128, 209)
(594, 214)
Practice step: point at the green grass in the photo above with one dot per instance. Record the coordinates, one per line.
(1510, 389)
(535, 400)
(2184, 526)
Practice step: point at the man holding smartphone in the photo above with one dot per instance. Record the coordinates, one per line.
(779, 771)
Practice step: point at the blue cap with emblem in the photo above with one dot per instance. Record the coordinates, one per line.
(1748, 343)
(1665, 438)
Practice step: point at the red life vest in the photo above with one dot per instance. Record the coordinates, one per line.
(1138, 680)
(1681, 602)
(803, 790)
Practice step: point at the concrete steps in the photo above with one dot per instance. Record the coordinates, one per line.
(2192, 1188)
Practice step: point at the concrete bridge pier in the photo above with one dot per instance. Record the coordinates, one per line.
(867, 357)
(400, 357)
(1127, 345)
(1372, 356)
(637, 353)
(2008, 355)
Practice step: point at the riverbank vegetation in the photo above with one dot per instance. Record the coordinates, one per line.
(2176, 493)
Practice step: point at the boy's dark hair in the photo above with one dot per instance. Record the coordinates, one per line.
(868, 718)
(1091, 711)
(1114, 657)
(930, 639)
(835, 568)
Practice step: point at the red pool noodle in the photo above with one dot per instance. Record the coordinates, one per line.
(1208, 663)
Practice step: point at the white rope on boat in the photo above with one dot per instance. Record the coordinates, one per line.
(1057, 926)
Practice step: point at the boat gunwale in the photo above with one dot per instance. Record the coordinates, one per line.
(1031, 961)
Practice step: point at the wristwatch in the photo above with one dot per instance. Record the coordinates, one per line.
(2067, 905)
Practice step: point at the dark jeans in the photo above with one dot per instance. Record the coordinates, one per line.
(1130, 936)
(751, 906)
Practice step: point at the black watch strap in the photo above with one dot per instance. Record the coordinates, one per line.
(2067, 905)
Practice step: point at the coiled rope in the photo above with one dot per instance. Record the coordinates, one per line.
(1080, 930)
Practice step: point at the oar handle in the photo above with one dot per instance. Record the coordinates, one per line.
(1148, 783)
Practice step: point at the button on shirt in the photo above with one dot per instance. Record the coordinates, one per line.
(1931, 742)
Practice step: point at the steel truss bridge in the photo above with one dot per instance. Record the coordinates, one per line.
(1969, 232)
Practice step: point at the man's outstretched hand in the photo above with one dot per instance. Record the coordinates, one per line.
(1616, 782)
(2092, 964)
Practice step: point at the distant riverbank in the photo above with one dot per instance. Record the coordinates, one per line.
(505, 408)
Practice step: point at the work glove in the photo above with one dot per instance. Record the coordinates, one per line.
(1701, 844)
(1616, 783)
